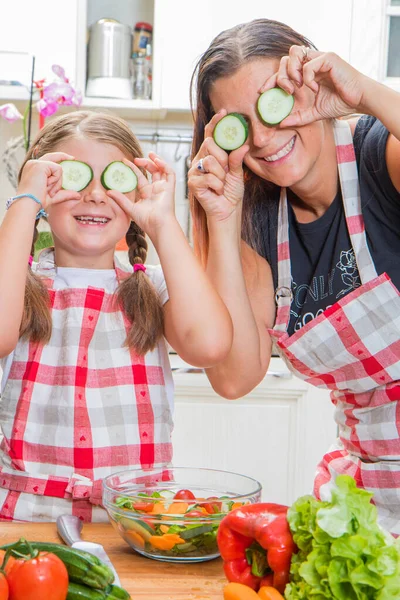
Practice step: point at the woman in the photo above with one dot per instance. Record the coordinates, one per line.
(299, 229)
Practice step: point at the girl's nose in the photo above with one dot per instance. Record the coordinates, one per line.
(95, 192)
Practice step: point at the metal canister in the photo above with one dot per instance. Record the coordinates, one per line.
(110, 44)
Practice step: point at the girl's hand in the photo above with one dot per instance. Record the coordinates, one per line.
(337, 86)
(43, 179)
(220, 188)
(153, 201)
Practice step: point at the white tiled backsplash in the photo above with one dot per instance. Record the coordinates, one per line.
(175, 154)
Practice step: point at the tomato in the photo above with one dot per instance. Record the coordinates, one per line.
(3, 587)
(10, 562)
(44, 577)
(195, 513)
(184, 495)
(144, 506)
(212, 507)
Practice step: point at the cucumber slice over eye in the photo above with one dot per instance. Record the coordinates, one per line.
(275, 105)
(118, 176)
(231, 132)
(76, 175)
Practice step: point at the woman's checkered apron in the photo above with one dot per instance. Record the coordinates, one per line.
(353, 349)
(78, 408)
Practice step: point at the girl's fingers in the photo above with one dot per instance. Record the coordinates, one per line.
(209, 128)
(56, 157)
(63, 195)
(142, 180)
(122, 201)
(150, 166)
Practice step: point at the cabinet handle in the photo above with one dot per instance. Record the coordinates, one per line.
(280, 374)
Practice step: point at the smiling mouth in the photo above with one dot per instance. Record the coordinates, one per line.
(282, 152)
(87, 220)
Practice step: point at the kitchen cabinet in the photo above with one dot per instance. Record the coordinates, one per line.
(42, 29)
(276, 434)
(185, 29)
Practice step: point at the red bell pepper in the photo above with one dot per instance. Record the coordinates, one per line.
(256, 545)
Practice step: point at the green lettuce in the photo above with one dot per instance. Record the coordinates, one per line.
(343, 553)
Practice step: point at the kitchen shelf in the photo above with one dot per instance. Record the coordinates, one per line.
(144, 109)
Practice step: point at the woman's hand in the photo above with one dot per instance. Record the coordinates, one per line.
(43, 179)
(337, 86)
(220, 188)
(153, 201)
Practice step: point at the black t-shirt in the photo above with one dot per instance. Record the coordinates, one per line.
(322, 259)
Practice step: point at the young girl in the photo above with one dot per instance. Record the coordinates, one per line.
(87, 386)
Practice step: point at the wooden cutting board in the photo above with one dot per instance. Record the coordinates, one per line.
(144, 578)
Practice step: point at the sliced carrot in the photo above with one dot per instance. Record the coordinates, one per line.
(269, 593)
(158, 508)
(166, 541)
(237, 505)
(238, 591)
(178, 508)
(135, 538)
(164, 528)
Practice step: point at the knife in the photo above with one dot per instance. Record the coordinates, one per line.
(69, 527)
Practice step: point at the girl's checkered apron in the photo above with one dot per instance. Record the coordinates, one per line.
(353, 349)
(79, 408)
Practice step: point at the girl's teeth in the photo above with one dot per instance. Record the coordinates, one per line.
(92, 220)
(281, 153)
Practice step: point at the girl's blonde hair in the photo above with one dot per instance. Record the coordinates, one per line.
(136, 295)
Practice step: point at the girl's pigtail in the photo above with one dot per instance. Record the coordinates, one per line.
(138, 298)
(36, 321)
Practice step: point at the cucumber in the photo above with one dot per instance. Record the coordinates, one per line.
(231, 132)
(275, 105)
(139, 527)
(76, 175)
(192, 532)
(118, 176)
(82, 567)
(82, 592)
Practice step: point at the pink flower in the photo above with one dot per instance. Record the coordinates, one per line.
(60, 72)
(10, 113)
(47, 107)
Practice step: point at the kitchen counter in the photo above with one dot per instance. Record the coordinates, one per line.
(144, 578)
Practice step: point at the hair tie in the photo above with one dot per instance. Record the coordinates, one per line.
(139, 267)
(30, 261)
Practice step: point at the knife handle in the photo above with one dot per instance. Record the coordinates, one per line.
(69, 527)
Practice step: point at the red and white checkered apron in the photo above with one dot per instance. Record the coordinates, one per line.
(353, 349)
(78, 408)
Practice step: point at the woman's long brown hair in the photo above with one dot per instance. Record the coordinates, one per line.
(227, 53)
(136, 295)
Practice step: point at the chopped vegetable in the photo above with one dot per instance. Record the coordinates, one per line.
(343, 552)
(269, 593)
(238, 591)
(274, 105)
(231, 132)
(166, 541)
(255, 540)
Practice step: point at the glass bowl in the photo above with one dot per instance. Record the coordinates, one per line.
(143, 508)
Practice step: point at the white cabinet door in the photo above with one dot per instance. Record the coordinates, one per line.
(277, 434)
(184, 29)
(46, 29)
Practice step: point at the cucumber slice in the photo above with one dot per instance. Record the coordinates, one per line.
(192, 532)
(139, 527)
(275, 105)
(231, 132)
(76, 175)
(118, 176)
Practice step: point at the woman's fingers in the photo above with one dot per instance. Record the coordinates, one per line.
(209, 128)
(236, 160)
(282, 79)
(210, 165)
